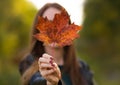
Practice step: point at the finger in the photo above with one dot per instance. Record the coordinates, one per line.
(57, 70)
(52, 79)
(45, 55)
(44, 60)
(50, 75)
(45, 73)
(45, 66)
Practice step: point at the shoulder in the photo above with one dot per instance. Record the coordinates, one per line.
(84, 65)
(25, 63)
(86, 72)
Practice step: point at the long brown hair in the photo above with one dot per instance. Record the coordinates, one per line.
(71, 64)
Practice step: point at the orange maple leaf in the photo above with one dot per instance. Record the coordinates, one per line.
(58, 31)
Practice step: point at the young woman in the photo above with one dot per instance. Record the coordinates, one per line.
(52, 65)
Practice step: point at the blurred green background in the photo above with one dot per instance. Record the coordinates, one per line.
(98, 45)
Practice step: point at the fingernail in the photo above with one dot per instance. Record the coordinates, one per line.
(51, 62)
(51, 58)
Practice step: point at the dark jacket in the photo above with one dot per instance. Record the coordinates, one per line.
(37, 79)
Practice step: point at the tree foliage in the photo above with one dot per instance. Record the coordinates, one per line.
(15, 24)
(16, 18)
(100, 37)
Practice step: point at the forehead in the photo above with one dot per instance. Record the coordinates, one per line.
(50, 12)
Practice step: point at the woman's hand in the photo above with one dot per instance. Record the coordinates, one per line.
(49, 69)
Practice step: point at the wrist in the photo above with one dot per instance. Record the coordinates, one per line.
(49, 83)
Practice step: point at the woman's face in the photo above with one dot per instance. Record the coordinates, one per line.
(50, 13)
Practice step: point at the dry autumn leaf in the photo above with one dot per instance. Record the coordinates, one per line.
(59, 31)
